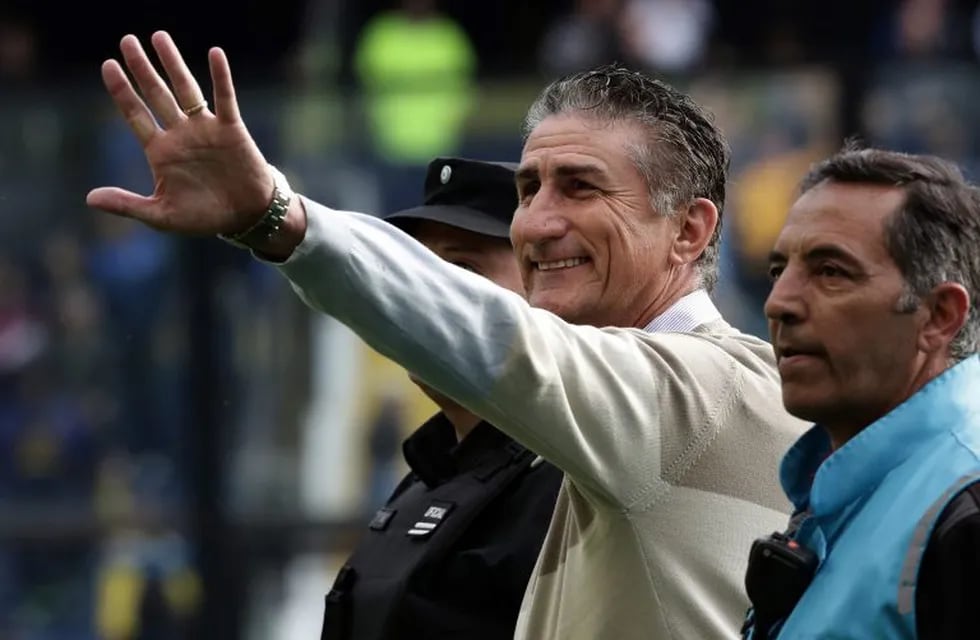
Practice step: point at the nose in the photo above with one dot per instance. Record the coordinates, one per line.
(539, 220)
(786, 303)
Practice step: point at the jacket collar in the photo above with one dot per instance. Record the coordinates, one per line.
(813, 476)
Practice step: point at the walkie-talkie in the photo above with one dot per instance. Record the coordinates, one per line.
(780, 569)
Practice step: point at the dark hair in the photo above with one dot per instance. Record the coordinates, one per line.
(683, 155)
(934, 236)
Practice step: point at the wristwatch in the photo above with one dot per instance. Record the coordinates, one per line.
(271, 221)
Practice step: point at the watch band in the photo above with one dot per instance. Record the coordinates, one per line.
(271, 221)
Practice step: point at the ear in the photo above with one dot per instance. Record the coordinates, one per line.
(948, 305)
(695, 226)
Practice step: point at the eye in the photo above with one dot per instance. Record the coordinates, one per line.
(775, 271)
(465, 265)
(526, 190)
(827, 270)
(580, 185)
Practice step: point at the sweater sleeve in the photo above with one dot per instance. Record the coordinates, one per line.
(594, 402)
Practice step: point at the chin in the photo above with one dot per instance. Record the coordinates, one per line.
(572, 315)
(805, 406)
(550, 300)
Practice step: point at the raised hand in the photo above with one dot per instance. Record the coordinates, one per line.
(209, 176)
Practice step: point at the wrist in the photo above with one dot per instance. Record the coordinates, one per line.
(281, 245)
(281, 227)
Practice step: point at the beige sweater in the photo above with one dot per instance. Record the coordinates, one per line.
(670, 442)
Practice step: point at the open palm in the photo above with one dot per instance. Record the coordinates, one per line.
(209, 176)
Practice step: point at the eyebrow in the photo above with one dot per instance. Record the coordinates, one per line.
(525, 174)
(820, 252)
(566, 170)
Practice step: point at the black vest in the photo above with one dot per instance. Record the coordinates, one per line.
(408, 578)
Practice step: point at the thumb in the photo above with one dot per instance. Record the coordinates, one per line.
(122, 203)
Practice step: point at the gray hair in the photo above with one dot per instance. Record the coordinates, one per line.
(683, 155)
(933, 236)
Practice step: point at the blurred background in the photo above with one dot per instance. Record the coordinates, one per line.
(185, 450)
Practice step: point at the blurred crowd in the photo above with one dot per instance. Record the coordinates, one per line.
(93, 339)
(90, 411)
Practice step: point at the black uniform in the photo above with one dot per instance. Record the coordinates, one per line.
(450, 554)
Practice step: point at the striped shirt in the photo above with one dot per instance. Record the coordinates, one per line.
(687, 314)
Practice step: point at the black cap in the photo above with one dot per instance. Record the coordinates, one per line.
(469, 194)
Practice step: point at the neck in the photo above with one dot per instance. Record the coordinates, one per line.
(667, 298)
(839, 434)
(841, 431)
(462, 420)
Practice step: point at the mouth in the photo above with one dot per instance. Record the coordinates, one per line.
(555, 265)
(789, 352)
(789, 356)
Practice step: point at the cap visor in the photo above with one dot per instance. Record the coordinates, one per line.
(461, 217)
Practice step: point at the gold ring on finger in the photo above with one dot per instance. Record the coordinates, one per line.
(196, 108)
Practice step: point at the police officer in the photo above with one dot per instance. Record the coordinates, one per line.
(451, 552)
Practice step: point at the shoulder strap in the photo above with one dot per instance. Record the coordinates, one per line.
(964, 505)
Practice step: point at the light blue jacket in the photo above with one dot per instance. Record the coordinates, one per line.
(873, 504)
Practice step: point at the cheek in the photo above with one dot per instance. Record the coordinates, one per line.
(635, 260)
(511, 279)
(505, 271)
(519, 227)
(517, 230)
(869, 353)
(614, 244)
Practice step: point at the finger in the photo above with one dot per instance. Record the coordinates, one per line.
(225, 103)
(123, 203)
(185, 86)
(154, 89)
(132, 108)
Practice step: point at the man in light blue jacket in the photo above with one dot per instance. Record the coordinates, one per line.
(875, 318)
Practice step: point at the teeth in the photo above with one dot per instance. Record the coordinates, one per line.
(561, 264)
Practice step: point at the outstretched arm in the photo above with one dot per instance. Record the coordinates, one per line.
(607, 406)
(597, 403)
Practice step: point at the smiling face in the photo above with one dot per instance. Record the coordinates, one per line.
(590, 246)
(847, 350)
